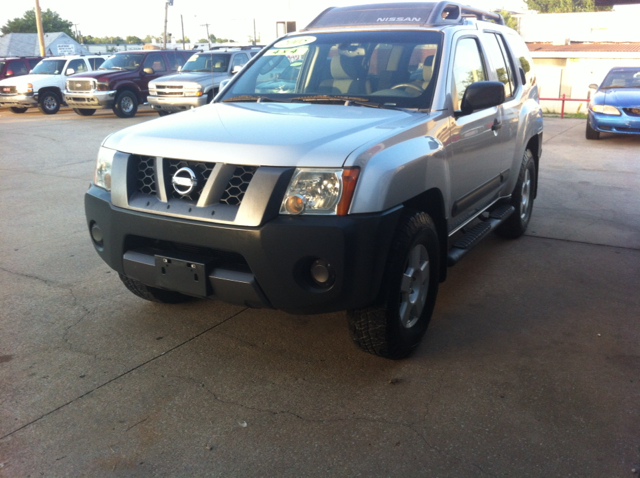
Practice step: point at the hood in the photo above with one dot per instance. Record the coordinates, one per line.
(30, 78)
(623, 97)
(101, 73)
(195, 77)
(268, 134)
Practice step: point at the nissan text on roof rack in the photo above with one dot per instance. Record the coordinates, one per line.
(345, 167)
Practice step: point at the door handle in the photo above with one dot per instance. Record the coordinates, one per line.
(496, 125)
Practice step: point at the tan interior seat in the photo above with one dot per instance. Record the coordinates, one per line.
(347, 77)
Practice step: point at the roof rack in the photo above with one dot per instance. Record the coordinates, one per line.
(422, 14)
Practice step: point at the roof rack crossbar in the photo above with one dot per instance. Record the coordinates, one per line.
(452, 12)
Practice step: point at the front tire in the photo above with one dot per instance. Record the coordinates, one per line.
(394, 325)
(591, 133)
(84, 111)
(521, 199)
(49, 103)
(153, 294)
(17, 109)
(126, 105)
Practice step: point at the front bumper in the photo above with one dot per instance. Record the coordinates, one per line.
(623, 124)
(19, 100)
(173, 104)
(265, 266)
(90, 100)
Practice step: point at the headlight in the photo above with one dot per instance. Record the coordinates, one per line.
(102, 177)
(102, 86)
(25, 88)
(606, 110)
(320, 191)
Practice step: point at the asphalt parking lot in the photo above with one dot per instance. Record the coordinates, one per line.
(530, 367)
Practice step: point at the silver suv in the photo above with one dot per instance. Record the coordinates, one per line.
(198, 80)
(344, 168)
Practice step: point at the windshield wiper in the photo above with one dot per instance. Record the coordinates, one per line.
(247, 98)
(345, 100)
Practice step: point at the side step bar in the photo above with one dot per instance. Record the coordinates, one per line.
(474, 235)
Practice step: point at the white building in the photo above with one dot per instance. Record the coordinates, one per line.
(573, 50)
(27, 44)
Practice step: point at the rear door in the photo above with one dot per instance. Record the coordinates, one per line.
(158, 63)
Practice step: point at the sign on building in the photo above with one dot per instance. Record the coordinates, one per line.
(66, 49)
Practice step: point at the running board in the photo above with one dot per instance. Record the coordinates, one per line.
(474, 235)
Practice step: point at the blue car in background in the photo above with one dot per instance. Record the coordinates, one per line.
(615, 108)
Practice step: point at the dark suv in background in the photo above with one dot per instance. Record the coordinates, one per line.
(122, 82)
(10, 67)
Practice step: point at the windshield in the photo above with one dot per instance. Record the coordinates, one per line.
(388, 69)
(622, 78)
(49, 67)
(217, 63)
(123, 61)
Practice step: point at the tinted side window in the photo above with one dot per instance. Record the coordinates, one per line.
(521, 52)
(500, 61)
(33, 62)
(155, 61)
(175, 60)
(240, 59)
(468, 67)
(18, 67)
(78, 66)
(96, 62)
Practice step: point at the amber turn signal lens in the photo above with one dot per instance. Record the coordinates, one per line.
(294, 204)
(349, 179)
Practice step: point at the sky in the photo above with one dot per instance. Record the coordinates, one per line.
(227, 19)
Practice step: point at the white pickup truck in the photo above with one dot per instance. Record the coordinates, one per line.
(44, 85)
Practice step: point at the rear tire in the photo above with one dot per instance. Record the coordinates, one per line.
(84, 111)
(49, 103)
(126, 105)
(153, 294)
(394, 325)
(17, 109)
(521, 199)
(591, 133)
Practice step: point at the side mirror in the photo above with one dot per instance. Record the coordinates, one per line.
(70, 71)
(593, 86)
(236, 69)
(149, 71)
(481, 95)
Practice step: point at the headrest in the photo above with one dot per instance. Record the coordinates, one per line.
(345, 67)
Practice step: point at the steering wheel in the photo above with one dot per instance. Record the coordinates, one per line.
(408, 85)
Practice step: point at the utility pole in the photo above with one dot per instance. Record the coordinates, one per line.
(39, 26)
(254, 32)
(164, 37)
(76, 25)
(208, 39)
(182, 23)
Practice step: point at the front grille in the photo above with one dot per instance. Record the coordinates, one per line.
(632, 111)
(146, 175)
(80, 85)
(201, 170)
(238, 185)
(8, 90)
(169, 90)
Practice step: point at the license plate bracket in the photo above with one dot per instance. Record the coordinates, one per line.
(186, 276)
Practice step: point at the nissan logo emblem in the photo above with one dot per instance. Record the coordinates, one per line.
(184, 181)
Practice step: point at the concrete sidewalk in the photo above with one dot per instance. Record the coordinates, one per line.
(530, 366)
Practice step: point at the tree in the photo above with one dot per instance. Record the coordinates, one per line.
(133, 39)
(186, 40)
(509, 20)
(565, 6)
(51, 22)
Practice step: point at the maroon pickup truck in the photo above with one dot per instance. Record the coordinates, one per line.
(122, 82)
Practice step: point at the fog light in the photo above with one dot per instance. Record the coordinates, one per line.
(96, 234)
(322, 273)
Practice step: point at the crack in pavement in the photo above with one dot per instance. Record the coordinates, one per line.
(274, 412)
(131, 370)
(626, 248)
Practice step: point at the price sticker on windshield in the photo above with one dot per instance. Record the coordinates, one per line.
(294, 42)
